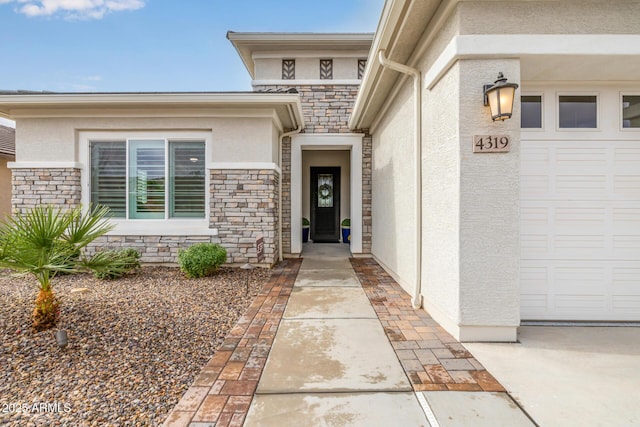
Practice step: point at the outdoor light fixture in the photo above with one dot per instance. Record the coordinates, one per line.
(499, 97)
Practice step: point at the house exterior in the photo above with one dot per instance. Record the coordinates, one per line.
(384, 129)
(7, 154)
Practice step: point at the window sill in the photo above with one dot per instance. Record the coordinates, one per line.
(161, 227)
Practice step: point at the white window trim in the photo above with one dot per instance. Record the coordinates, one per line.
(578, 93)
(621, 113)
(147, 227)
(542, 109)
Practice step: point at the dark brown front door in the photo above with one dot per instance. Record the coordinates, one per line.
(325, 204)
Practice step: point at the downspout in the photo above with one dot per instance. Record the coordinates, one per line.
(417, 88)
(282, 136)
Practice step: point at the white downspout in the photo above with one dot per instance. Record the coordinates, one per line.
(417, 84)
(282, 136)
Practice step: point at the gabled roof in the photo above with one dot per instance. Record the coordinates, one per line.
(248, 44)
(7, 141)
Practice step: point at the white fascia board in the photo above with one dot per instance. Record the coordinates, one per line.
(293, 83)
(389, 21)
(191, 104)
(362, 54)
(147, 98)
(518, 45)
(297, 38)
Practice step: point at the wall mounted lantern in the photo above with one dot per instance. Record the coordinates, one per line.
(499, 97)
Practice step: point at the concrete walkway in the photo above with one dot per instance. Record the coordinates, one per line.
(331, 362)
(331, 341)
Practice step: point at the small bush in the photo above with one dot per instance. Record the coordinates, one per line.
(116, 263)
(201, 259)
(346, 222)
(305, 222)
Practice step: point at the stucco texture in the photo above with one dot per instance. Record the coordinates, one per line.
(550, 17)
(5, 188)
(393, 203)
(55, 140)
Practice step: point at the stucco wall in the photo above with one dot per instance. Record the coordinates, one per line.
(308, 68)
(327, 158)
(393, 200)
(489, 205)
(55, 140)
(441, 197)
(550, 17)
(5, 188)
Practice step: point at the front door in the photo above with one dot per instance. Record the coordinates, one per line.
(325, 204)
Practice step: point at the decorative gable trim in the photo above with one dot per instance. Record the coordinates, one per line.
(288, 69)
(326, 69)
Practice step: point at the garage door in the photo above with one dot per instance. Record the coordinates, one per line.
(580, 229)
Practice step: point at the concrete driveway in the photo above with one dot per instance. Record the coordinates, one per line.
(566, 376)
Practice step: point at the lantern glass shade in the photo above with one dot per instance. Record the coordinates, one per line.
(500, 98)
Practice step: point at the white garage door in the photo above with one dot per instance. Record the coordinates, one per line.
(580, 227)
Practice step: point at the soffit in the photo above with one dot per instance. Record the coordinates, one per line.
(401, 27)
(248, 44)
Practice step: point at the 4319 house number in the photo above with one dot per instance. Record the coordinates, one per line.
(491, 144)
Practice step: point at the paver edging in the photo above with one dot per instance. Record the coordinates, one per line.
(432, 359)
(223, 390)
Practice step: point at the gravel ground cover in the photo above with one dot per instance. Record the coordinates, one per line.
(135, 345)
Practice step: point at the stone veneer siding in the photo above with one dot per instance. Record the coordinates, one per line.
(244, 206)
(326, 108)
(152, 249)
(286, 194)
(56, 186)
(367, 143)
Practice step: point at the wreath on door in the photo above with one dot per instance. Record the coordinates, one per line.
(325, 192)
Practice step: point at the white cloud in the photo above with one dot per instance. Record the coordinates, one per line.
(74, 9)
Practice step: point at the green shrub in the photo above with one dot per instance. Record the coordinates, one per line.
(305, 222)
(346, 222)
(201, 259)
(122, 261)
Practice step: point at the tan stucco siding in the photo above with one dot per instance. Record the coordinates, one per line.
(549, 17)
(393, 201)
(489, 205)
(441, 195)
(5, 188)
(234, 139)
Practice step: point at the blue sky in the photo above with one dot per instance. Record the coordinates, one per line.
(152, 45)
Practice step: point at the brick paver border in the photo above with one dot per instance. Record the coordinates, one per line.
(222, 393)
(432, 359)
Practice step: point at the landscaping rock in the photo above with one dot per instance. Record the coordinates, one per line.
(135, 344)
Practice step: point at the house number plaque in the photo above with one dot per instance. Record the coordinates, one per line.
(491, 144)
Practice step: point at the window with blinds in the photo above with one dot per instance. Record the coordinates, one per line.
(166, 179)
(109, 176)
(186, 171)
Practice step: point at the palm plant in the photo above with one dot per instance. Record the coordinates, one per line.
(47, 241)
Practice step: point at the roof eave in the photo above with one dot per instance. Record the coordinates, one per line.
(157, 100)
(246, 43)
(388, 37)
